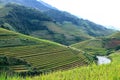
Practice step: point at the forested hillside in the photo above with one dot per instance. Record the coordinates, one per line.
(59, 26)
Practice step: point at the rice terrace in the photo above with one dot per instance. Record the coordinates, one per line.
(42, 40)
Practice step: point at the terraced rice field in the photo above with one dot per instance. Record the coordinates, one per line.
(40, 54)
(91, 72)
(93, 46)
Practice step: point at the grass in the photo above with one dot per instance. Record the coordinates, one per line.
(42, 55)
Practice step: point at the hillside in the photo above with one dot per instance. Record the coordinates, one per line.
(32, 54)
(115, 35)
(91, 72)
(30, 3)
(86, 26)
(61, 16)
(94, 72)
(100, 46)
(37, 25)
(93, 46)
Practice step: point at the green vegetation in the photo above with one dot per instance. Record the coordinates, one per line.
(100, 46)
(40, 55)
(9, 64)
(91, 72)
(27, 55)
(70, 33)
(63, 28)
(115, 35)
(39, 25)
(93, 46)
(86, 26)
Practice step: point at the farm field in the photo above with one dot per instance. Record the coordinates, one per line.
(40, 55)
(91, 72)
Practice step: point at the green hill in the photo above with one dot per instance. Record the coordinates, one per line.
(52, 24)
(101, 46)
(30, 3)
(28, 53)
(87, 26)
(115, 35)
(93, 46)
(38, 24)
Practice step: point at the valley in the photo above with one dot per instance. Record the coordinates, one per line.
(41, 42)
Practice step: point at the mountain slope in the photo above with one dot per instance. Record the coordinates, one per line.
(88, 27)
(37, 54)
(115, 35)
(30, 3)
(35, 23)
(93, 46)
(100, 46)
(59, 18)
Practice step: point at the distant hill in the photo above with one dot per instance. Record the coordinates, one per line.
(93, 46)
(115, 35)
(87, 26)
(100, 46)
(30, 3)
(46, 19)
(35, 23)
